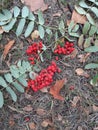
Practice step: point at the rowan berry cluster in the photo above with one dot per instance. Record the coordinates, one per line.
(45, 77)
(67, 49)
(33, 51)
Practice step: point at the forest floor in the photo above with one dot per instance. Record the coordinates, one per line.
(40, 110)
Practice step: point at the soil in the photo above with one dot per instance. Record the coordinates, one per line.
(33, 110)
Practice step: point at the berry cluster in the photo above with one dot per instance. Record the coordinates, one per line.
(67, 49)
(44, 78)
(33, 51)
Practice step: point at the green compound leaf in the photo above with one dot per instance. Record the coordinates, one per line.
(23, 81)
(91, 49)
(26, 65)
(12, 94)
(87, 42)
(14, 71)
(16, 11)
(3, 18)
(91, 66)
(29, 29)
(90, 19)
(92, 30)
(1, 100)
(70, 27)
(40, 18)
(41, 31)
(86, 27)
(31, 16)
(62, 27)
(83, 4)
(94, 81)
(94, 10)
(48, 31)
(3, 82)
(74, 34)
(10, 25)
(8, 78)
(20, 27)
(7, 13)
(75, 29)
(80, 10)
(18, 87)
(25, 12)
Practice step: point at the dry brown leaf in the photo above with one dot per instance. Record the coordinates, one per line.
(46, 122)
(40, 111)
(55, 90)
(95, 108)
(83, 57)
(28, 108)
(81, 72)
(74, 54)
(35, 34)
(77, 18)
(75, 101)
(35, 4)
(44, 90)
(11, 122)
(32, 126)
(7, 48)
(58, 14)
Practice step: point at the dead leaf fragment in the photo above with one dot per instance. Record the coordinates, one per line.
(74, 54)
(75, 101)
(11, 122)
(83, 57)
(28, 108)
(35, 4)
(81, 72)
(77, 18)
(58, 14)
(46, 122)
(7, 48)
(32, 126)
(95, 108)
(55, 90)
(35, 34)
(40, 111)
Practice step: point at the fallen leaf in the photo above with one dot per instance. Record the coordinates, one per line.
(74, 54)
(95, 108)
(55, 90)
(28, 108)
(32, 125)
(83, 57)
(75, 101)
(40, 111)
(36, 4)
(77, 18)
(7, 48)
(58, 14)
(11, 122)
(35, 34)
(46, 122)
(44, 90)
(81, 72)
